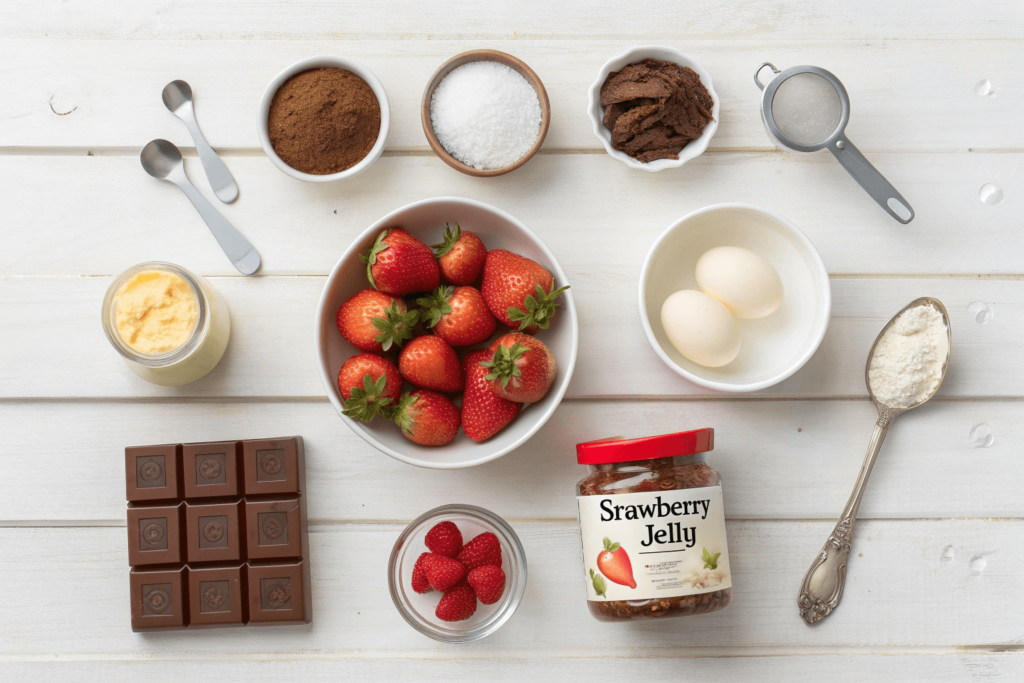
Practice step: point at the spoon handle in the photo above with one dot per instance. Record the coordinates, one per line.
(241, 252)
(873, 182)
(221, 180)
(822, 587)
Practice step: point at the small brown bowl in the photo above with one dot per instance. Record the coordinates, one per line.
(484, 56)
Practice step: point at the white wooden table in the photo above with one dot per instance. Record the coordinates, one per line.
(80, 96)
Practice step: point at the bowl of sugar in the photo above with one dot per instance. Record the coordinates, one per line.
(485, 113)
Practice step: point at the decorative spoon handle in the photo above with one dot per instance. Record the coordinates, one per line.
(221, 180)
(822, 587)
(238, 249)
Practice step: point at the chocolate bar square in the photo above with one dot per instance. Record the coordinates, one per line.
(279, 593)
(217, 597)
(274, 528)
(154, 535)
(273, 466)
(151, 472)
(213, 532)
(158, 599)
(211, 469)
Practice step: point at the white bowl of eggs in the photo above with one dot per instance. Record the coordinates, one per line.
(734, 297)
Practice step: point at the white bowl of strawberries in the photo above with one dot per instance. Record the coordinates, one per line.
(447, 356)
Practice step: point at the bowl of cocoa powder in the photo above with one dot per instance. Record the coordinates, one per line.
(653, 108)
(324, 118)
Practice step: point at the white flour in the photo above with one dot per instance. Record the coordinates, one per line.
(907, 364)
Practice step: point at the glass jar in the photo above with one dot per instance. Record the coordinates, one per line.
(652, 525)
(187, 350)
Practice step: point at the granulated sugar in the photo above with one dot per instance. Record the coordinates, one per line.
(485, 114)
(907, 364)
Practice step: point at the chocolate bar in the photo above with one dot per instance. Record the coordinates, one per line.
(217, 534)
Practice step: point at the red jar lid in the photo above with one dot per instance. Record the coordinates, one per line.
(619, 449)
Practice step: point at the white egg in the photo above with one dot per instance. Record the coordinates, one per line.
(700, 328)
(748, 285)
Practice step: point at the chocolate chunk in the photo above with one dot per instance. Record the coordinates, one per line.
(279, 593)
(155, 535)
(158, 599)
(211, 469)
(217, 597)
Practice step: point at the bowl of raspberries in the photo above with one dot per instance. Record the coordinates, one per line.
(457, 573)
(446, 334)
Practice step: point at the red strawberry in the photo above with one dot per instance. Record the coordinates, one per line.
(483, 550)
(484, 413)
(429, 363)
(373, 321)
(488, 582)
(458, 315)
(444, 539)
(457, 604)
(368, 384)
(427, 418)
(420, 583)
(442, 572)
(522, 368)
(400, 264)
(519, 291)
(614, 563)
(461, 256)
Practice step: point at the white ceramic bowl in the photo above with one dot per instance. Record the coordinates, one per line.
(425, 220)
(324, 61)
(667, 54)
(773, 347)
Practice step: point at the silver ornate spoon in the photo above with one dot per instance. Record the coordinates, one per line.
(822, 587)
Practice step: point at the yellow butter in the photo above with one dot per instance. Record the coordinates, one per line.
(156, 312)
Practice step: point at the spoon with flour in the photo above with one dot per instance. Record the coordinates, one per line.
(905, 368)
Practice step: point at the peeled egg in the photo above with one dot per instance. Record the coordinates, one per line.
(700, 328)
(746, 283)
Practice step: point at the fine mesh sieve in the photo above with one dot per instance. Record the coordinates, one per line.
(805, 109)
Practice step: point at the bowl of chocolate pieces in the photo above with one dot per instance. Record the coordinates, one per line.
(653, 108)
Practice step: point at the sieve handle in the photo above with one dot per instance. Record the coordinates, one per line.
(873, 182)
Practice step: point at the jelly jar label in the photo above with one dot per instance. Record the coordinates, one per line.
(639, 546)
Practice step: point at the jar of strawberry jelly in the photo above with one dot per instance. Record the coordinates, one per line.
(652, 526)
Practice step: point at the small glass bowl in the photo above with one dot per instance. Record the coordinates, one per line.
(418, 609)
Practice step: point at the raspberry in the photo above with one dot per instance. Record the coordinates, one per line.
(444, 539)
(488, 582)
(483, 550)
(442, 572)
(420, 583)
(457, 603)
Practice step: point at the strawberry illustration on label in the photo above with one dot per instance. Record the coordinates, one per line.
(615, 565)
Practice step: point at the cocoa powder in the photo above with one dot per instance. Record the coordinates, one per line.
(324, 121)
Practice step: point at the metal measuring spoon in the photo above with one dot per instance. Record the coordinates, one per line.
(823, 126)
(822, 587)
(177, 96)
(162, 160)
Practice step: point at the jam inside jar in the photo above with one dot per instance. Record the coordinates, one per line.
(652, 526)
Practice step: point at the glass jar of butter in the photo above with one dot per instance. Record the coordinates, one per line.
(170, 325)
(652, 526)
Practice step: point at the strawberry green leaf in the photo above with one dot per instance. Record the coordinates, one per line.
(599, 586)
(395, 327)
(436, 304)
(400, 415)
(607, 544)
(540, 309)
(503, 365)
(450, 238)
(364, 403)
(370, 257)
(710, 561)
(614, 547)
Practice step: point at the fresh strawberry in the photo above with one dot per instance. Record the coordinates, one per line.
(429, 363)
(400, 264)
(522, 368)
(457, 603)
(488, 582)
(442, 572)
(484, 413)
(519, 291)
(460, 256)
(458, 315)
(420, 583)
(427, 418)
(614, 563)
(483, 550)
(368, 384)
(373, 321)
(444, 539)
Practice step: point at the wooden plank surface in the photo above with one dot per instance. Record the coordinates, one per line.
(102, 94)
(778, 459)
(40, 315)
(899, 594)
